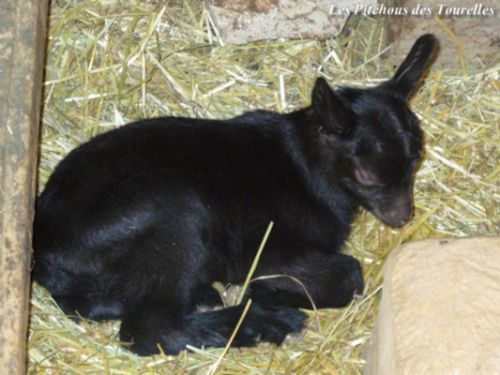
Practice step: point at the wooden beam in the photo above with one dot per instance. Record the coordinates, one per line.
(22, 42)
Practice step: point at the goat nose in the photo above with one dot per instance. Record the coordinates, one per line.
(399, 220)
(402, 214)
(396, 216)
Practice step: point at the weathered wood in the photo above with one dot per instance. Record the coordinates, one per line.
(22, 41)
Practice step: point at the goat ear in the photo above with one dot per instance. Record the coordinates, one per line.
(414, 67)
(331, 112)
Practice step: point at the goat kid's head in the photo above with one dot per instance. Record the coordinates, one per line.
(371, 141)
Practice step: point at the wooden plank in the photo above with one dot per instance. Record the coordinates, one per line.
(22, 42)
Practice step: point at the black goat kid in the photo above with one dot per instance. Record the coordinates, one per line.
(138, 223)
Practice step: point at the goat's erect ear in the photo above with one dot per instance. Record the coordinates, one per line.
(414, 67)
(331, 112)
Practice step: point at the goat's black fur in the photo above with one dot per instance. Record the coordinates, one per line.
(137, 223)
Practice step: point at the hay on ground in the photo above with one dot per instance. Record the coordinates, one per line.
(113, 61)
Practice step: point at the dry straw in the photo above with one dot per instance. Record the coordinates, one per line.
(118, 60)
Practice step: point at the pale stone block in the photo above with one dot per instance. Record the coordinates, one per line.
(243, 21)
(440, 310)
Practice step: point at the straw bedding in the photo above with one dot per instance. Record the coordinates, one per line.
(112, 61)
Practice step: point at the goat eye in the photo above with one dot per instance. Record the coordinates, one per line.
(365, 177)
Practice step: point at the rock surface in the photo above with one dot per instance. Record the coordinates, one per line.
(243, 21)
(440, 310)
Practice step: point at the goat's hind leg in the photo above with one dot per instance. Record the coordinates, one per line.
(95, 307)
(77, 295)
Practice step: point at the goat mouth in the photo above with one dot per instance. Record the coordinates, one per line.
(396, 217)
